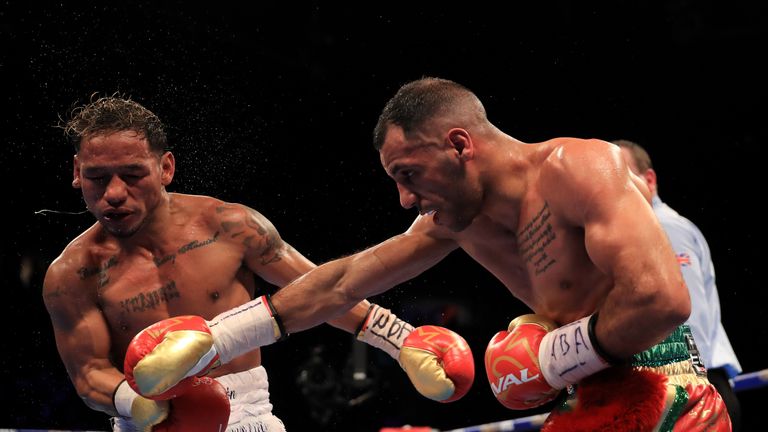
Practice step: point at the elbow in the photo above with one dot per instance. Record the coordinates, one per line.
(348, 295)
(665, 299)
(89, 402)
(682, 309)
(89, 396)
(674, 305)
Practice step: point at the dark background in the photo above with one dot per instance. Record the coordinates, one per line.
(273, 104)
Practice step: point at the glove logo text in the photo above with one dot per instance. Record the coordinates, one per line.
(506, 380)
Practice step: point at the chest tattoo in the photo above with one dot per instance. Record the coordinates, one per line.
(151, 299)
(194, 244)
(534, 239)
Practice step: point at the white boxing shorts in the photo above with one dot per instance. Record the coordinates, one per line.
(251, 411)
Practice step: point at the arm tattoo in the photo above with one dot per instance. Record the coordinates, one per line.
(55, 294)
(256, 233)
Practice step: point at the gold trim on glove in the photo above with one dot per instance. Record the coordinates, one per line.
(540, 320)
(426, 373)
(171, 360)
(148, 412)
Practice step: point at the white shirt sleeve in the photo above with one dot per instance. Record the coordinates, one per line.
(692, 252)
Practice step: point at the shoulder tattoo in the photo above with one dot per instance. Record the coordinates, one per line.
(102, 271)
(253, 230)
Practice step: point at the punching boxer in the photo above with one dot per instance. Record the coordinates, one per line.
(153, 255)
(570, 232)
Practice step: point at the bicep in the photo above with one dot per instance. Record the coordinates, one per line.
(83, 342)
(646, 298)
(594, 189)
(624, 239)
(79, 327)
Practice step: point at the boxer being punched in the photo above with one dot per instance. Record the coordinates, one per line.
(570, 232)
(153, 255)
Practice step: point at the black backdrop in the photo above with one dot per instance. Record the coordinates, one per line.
(272, 104)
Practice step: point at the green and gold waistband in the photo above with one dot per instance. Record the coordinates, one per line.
(676, 356)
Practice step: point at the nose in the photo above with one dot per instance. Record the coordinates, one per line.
(116, 192)
(407, 197)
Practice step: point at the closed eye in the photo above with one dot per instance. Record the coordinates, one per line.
(406, 175)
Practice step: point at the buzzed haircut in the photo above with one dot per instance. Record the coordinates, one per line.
(420, 100)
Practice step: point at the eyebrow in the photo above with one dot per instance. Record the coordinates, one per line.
(396, 168)
(131, 167)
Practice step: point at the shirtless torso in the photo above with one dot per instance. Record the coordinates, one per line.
(539, 253)
(196, 266)
(563, 224)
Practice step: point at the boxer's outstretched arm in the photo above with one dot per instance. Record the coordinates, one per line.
(268, 255)
(332, 288)
(82, 336)
(320, 295)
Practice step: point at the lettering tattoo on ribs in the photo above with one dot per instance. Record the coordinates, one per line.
(534, 238)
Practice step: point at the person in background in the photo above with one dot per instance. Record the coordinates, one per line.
(692, 253)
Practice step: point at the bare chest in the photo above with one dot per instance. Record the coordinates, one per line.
(544, 263)
(196, 277)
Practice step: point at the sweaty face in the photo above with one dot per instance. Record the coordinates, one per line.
(431, 177)
(121, 180)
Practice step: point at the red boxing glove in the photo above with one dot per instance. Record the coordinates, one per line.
(439, 363)
(203, 408)
(512, 364)
(168, 352)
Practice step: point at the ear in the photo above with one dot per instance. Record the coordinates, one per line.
(76, 183)
(460, 140)
(168, 167)
(650, 179)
